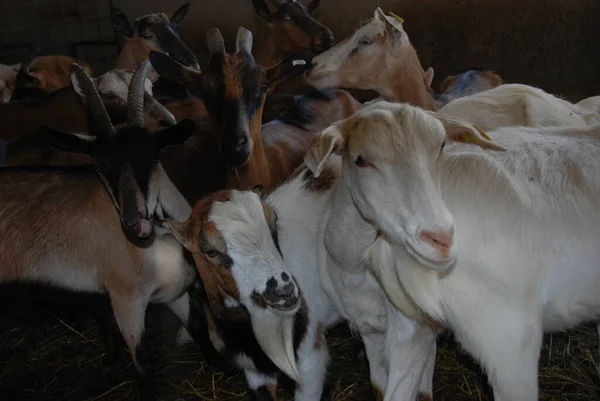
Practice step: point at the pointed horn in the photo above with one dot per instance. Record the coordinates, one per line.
(157, 110)
(215, 42)
(135, 97)
(243, 41)
(97, 109)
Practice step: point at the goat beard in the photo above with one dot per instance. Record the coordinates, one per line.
(275, 335)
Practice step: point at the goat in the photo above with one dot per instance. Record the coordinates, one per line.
(516, 104)
(100, 239)
(415, 259)
(465, 84)
(41, 75)
(290, 29)
(152, 32)
(377, 56)
(233, 88)
(258, 300)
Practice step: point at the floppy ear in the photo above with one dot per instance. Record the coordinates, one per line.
(447, 82)
(120, 22)
(330, 140)
(170, 69)
(74, 143)
(290, 67)
(313, 6)
(181, 232)
(461, 131)
(179, 14)
(262, 9)
(176, 134)
(429, 76)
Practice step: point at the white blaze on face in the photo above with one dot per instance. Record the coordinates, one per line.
(255, 261)
(113, 85)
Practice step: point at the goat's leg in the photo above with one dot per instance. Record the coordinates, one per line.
(313, 357)
(113, 341)
(130, 312)
(426, 385)
(509, 355)
(263, 386)
(377, 357)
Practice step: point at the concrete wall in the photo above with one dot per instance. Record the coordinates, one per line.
(548, 43)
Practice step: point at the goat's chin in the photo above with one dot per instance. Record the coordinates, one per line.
(321, 80)
(427, 257)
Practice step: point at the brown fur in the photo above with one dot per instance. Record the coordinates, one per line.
(377, 393)
(320, 336)
(325, 181)
(136, 49)
(54, 72)
(278, 149)
(425, 397)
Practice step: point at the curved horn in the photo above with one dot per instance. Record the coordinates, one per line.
(243, 41)
(215, 42)
(97, 109)
(135, 97)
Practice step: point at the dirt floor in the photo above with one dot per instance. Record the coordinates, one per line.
(48, 354)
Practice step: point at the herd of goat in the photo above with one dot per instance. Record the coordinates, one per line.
(262, 219)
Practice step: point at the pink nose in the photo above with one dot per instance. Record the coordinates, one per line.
(440, 240)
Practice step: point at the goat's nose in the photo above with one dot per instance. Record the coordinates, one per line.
(281, 294)
(440, 240)
(327, 39)
(240, 144)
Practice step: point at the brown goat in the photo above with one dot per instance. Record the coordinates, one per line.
(42, 75)
(152, 32)
(233, 88)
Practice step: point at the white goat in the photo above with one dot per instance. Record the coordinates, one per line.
(256, 237)
(508, 223)
(522, 105)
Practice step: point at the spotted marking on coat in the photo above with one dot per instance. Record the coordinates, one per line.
(324, 182)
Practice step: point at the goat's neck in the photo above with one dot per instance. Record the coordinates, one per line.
(256, 170)
(170, 199)
(266, 54)
(129, 58)
(405, 83)
(348, 249)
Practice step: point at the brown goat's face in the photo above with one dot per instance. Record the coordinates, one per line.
(156, 32)
(233, 88)
(293, 27)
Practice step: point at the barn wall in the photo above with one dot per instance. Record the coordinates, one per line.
(548, 43)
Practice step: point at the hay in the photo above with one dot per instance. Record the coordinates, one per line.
(47, 354)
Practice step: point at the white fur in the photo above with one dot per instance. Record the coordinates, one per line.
(113, 84)
(7, 73)
(522, 105)
(526, 229)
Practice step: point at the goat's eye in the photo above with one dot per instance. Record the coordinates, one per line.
(264, 87)
(211, 253)
(362, 162)
(147, 35)
(286, 18)
(364, 41)
(443, 144)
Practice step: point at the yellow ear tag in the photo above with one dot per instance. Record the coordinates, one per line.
(397, 17)
(482, 133)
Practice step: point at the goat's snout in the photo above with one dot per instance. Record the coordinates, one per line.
(281, 294)
(440, 240)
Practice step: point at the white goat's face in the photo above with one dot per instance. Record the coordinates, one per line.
(359, 60)
(233, 237)
(8, 77)
(391, 169)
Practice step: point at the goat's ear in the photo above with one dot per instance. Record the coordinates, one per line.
(290, 67)
(313, 6)
(461, 131)
(179, 229)
(262, 9)
(493, 78)
(330, 140)
(449, 80)
(429, 76)
(176, 134)
(393, 23)
(120, 22)
(170, 69)
(74, 143)
(179, 14)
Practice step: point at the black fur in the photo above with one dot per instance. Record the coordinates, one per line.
(262, 394)
(302, 112)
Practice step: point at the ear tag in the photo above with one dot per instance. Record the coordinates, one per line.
(397, 17)
(298, 62)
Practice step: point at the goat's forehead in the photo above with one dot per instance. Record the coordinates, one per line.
(113, 81)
